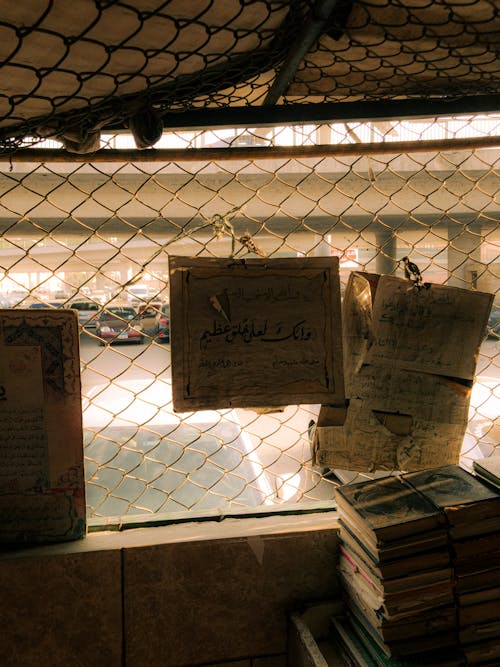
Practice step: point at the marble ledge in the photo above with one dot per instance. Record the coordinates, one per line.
(195, 531)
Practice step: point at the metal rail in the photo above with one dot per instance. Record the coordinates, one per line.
(254, 153)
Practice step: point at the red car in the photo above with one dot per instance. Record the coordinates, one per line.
(119, 324)
(162, 324)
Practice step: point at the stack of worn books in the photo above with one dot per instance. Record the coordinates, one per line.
(420, 566)
(472, 510)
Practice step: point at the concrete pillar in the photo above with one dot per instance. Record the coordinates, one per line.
(385, 261)
(324, 134)
(126, 272)
(322, 246)
(464, 254)
(100, 282)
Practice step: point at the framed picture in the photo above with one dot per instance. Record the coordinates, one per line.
(42, 490)
(255, 332)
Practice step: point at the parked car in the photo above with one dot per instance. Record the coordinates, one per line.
(493, 330)
(48, 304)
(87, 313)
(119, 324)
(162, 324)
(18, 298)
(147, 313)
(101, 296)
(149, 309)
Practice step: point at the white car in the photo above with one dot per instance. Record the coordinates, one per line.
(88, 312)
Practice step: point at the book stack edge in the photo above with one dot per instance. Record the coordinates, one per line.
(420, 568)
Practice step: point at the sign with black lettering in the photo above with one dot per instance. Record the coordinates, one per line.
(410, 359)
(255, 332)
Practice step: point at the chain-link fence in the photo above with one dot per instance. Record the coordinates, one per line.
(100, 234)
(309, 171)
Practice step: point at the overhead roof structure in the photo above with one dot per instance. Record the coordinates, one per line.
(71, 69)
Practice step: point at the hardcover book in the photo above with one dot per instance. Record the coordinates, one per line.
(410, 574)
(481, 578)
(478, 595)
(471, 506)
(485, 653)
(351, 648)
(398, 606)
(476, 548)
(471, 634)
(482, 612)
(421, 632)
(393, 604)
(397, 560)
(404, 586)
(470, 564)
(42, 491)
(362, 650)
(388, 509)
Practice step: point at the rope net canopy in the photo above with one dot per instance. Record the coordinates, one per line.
(70, 70)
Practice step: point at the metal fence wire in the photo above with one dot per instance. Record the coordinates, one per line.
(263, 117)
(102, 232)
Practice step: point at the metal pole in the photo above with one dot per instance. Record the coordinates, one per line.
(38, 155)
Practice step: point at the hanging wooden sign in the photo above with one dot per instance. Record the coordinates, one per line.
(255, 332)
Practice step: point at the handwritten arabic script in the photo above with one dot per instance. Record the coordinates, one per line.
(23, 445)
(264, 331)
(271, 333)
(258, 334)
(434, 330)
(270, 294)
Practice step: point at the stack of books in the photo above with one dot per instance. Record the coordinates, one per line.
(472, 510)
(419, 565)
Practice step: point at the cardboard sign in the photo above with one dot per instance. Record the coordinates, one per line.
(367, 440)
(42, 497)
(435, 329)
(255, 332)
(410, 358)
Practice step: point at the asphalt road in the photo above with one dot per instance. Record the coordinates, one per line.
(261, 462)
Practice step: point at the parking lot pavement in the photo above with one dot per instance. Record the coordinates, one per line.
(240, 455)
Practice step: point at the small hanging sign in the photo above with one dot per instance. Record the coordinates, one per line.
(255, 332)
(411, 350)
